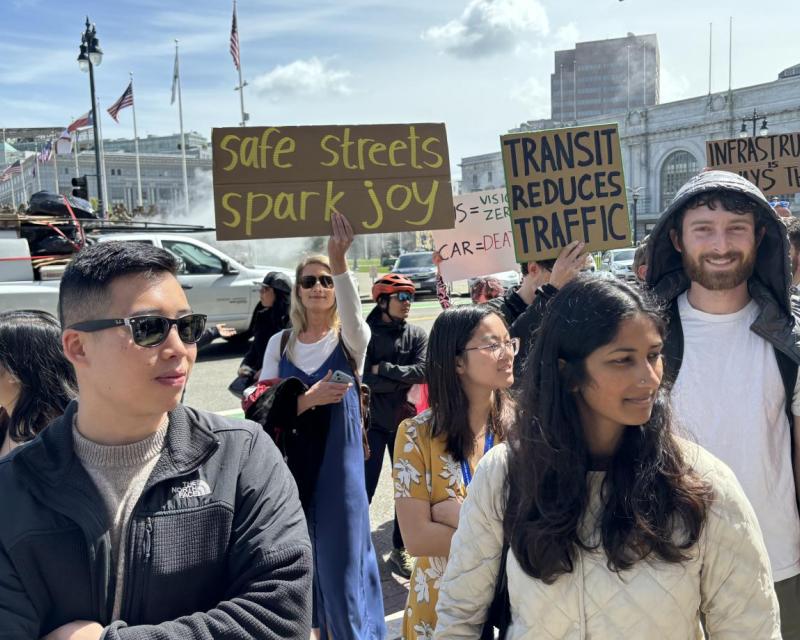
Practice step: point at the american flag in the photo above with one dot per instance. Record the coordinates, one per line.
(125, 100)
(11, 169)
(235, 40)
(46, 153)
(84, 121)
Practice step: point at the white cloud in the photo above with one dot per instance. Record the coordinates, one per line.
(487, 27)
(303, 78)
(673, 86)
(566, 36)
(534, 95)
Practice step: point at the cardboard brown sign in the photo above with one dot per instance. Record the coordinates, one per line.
(565, 185)
(772, 163)
(283, 182)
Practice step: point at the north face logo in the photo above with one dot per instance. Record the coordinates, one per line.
(191, 489)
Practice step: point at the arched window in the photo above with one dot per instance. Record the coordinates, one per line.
(676, 170)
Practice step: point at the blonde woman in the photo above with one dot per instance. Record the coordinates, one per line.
(329, 335)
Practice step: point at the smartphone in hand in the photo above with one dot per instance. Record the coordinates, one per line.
(341, 377)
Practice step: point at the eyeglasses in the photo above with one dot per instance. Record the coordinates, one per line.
(403, 296)
(497, 349)
(308, 282)
(151, 331)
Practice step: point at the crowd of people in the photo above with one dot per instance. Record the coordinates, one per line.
(575, 457)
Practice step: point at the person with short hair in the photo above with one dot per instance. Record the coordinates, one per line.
(485, 289)
(640, 261)
(134, 516)
(395, 362)
(793, 232)
(469, 370)
(594, 519)
(718, 261)
(36, 381)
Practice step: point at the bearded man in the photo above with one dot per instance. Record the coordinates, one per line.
(719, 261)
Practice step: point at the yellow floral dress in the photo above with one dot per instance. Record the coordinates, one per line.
(424, 470)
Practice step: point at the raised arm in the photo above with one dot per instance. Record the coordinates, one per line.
(355, 331)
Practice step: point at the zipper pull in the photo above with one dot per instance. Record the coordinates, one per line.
(148, 533)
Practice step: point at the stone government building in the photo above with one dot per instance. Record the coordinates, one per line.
(664, 145)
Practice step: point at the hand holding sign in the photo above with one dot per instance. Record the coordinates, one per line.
(339, 242)
(569, 264)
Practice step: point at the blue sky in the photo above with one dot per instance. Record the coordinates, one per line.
(481, 66)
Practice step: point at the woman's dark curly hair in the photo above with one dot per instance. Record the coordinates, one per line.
(653, 501)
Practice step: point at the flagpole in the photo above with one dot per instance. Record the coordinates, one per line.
(24, 186)
(75, 150)
(239, 67)
(55, 163)
(106, 202)
(38, 172)
(136, 147)
(183, 139)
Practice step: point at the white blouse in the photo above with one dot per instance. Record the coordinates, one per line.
(309, 357)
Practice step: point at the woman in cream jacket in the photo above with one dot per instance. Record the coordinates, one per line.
(616, 527)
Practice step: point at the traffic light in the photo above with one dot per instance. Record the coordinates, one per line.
(81, 188)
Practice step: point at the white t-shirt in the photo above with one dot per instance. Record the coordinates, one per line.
(730, 397)
(309, 357)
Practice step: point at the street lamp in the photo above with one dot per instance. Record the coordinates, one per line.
(635, 191)
(91, 56)
(763, 131)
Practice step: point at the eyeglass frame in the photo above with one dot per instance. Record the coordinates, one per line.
(316, 280)
(90, 326)
(494, 347)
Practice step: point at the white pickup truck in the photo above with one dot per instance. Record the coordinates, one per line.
(215, 283)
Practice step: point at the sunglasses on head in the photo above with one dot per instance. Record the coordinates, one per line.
(308, 282)
(403, 296)
(151, 331)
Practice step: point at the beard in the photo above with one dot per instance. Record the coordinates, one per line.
(716, 279)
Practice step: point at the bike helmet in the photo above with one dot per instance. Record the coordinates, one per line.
(389, 284)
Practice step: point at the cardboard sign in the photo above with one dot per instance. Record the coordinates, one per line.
(565, 185)
(481, 241)
(772, 163)
(284, 182)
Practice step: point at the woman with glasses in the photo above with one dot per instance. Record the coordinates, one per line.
(37, 382)
(606, 523)
(329, 336)
(470, 366)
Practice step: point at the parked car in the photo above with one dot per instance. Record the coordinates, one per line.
(215, 283)
(419, 268)
(507, 278)
(619, 262)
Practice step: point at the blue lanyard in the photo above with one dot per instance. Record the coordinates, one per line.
(465, 472)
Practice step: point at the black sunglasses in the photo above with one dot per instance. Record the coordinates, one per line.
(151, 331)
(403, 296)
(308, 282)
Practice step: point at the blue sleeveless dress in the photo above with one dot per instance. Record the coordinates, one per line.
(348, 601)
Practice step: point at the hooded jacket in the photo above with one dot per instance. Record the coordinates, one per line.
(768, 286)
(217, 543)
(398, 348)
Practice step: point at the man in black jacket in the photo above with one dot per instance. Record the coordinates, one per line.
(133, 517)
(395, 362)
(718, 260)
